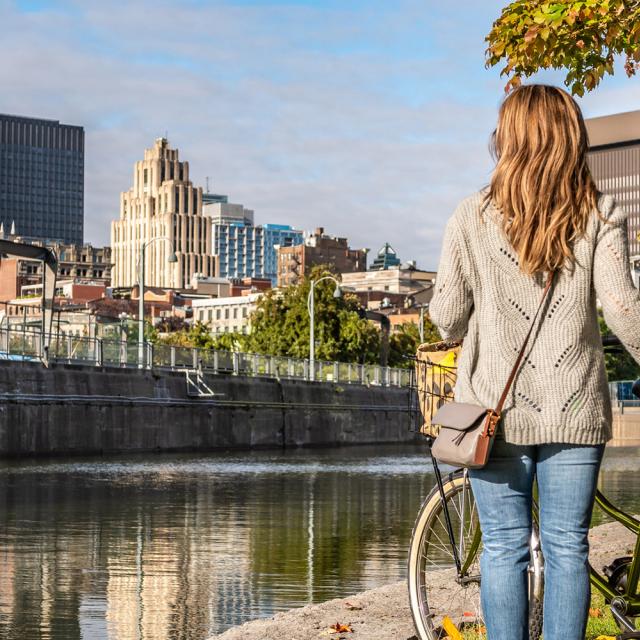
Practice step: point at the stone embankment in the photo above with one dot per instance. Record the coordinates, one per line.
(78, 410)
(383, 613)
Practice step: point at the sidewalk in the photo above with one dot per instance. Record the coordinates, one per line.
(383, 613)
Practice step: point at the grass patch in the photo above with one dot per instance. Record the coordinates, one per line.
(600, 622)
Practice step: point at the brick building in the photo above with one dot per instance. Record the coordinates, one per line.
(78, 263)
(318, 249)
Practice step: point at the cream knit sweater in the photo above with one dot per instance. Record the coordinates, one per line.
(560, 393)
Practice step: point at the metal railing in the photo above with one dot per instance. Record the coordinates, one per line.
(25, 344)
(622, 396)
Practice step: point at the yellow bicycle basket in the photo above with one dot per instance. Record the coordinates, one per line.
(436, 367)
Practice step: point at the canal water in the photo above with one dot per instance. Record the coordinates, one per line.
(184, 546)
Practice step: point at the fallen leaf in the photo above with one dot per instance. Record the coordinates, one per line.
(352, 607)
(340, 628)
(451, 629)
(605, 638)
(595, 613)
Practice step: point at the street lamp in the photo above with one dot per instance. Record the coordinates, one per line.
(422, 307)
(311, 308)
(123, 316)
(172, 259)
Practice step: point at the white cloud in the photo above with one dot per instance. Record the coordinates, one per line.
(372, 123)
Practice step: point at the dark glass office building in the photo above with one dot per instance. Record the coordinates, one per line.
(42, 179)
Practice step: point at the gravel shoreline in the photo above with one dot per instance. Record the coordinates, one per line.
(383, 613)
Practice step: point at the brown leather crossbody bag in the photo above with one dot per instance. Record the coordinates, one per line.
(467, 430)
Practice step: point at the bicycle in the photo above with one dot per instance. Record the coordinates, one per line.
(443, 562)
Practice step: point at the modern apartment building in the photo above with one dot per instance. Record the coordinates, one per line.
(244, 249)
(614, 159)
(318, 249)
(42, 179)
(387, 258)
(162, 212)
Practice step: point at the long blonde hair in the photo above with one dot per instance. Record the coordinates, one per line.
(542, 184)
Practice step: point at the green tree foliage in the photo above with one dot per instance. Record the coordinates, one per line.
(230, 342)
(405, 340)
(582, 37)
(619, 364)
(130, 331)
(280, 324)
(198, 336)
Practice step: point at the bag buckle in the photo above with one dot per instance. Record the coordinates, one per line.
(491, 423)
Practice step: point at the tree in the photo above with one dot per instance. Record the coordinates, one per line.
(619, 364)
(131, 332)
(198, 336)
(406, 339)
(582, 37)
(230, 342)
(280, 324)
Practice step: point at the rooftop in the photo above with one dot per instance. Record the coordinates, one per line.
(615, 129)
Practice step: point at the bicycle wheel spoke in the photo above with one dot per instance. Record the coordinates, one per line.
(439, 588)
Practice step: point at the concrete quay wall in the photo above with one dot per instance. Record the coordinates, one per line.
(75, 410)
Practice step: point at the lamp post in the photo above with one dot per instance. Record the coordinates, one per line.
(123, 343)
(172, 259)
(422, 307)
(311, 308)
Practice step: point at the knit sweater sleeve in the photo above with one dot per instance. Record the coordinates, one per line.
(452, 300)
(612, 280)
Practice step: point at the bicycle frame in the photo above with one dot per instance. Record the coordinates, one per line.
(626, 603)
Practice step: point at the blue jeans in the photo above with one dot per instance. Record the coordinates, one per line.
(567, 476)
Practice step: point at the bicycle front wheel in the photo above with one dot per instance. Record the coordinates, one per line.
(436, 591)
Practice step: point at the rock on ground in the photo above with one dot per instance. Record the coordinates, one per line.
(383, 613)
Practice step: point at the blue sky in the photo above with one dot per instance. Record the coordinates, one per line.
(368, 118)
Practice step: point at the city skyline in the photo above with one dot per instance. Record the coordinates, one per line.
(342, 115)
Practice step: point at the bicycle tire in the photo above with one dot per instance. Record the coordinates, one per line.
(434, 591)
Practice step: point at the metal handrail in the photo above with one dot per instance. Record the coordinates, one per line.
(22, 344)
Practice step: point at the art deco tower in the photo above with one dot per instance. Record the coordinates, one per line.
(162, 202)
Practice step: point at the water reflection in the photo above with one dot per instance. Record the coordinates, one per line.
(185, 546)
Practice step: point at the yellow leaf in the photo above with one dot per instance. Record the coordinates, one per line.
(341, 628)
(595, 613)
(605, 638)
(451, 629)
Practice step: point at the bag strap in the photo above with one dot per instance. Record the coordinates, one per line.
(514, 370)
